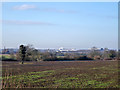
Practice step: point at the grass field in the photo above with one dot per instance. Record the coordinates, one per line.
(60, 74)
(7, 56)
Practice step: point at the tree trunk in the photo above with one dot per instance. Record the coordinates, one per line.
(23, 60)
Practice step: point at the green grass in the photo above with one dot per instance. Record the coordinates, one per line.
(6, 56)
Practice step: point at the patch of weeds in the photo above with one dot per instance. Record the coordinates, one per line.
(90, 83)
(83, 75)
(104, 84)
(100, 76)
(94, 68)
(116, 86)
(31, 77)
(72, 78)
(50, 71)
(59, 81)
(40, 80)
(71, 82)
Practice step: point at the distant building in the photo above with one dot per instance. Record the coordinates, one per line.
(94, 48)
(63, 49)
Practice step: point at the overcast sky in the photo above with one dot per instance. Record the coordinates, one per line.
(54, 25)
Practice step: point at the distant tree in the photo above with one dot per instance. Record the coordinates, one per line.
(22, 52)
(29, 50)
(12, 56)
(94, 54)
(32, 54)
(112, 54)
(49, 56)
(35, 55)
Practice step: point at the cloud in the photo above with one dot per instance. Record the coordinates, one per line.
(29, 7)
(15, 22)
(24, 7)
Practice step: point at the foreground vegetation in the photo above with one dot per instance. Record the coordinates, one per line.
(62, 74)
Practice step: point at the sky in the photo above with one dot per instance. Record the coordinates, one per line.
(60, 24)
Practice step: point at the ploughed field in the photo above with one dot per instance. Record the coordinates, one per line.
(60, 74)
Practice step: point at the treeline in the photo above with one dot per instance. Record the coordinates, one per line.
(29, 53)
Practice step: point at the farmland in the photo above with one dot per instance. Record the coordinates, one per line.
(7, 56)
(60, 74)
